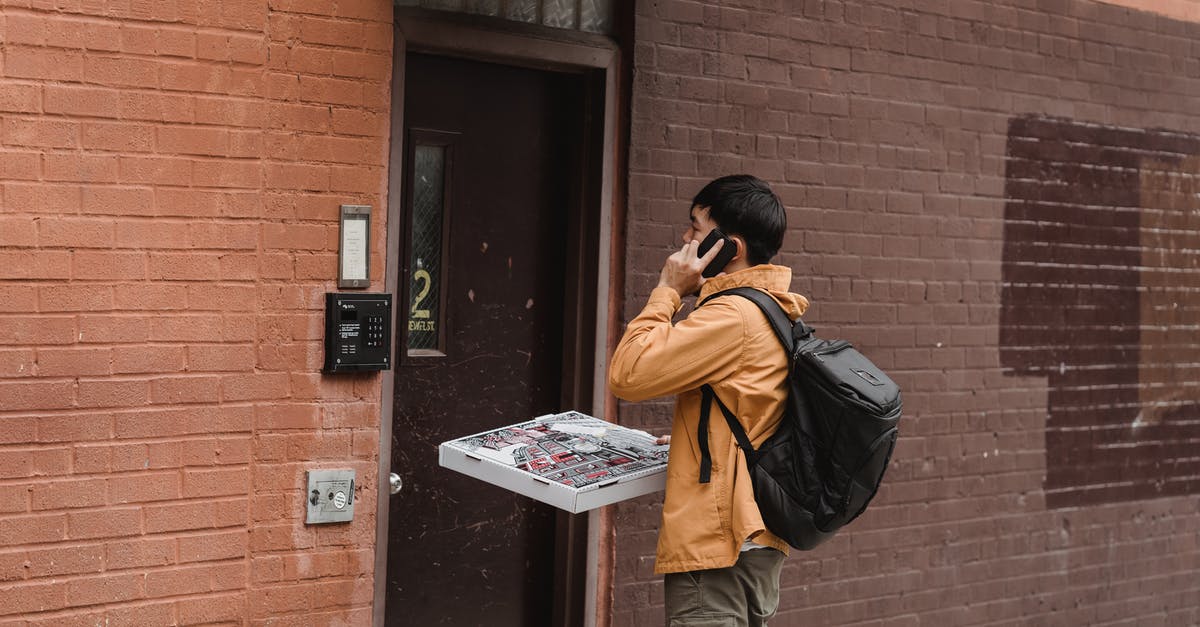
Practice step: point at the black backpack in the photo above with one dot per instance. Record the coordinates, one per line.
(822, 466)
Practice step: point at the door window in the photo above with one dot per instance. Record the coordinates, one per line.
(430, 158)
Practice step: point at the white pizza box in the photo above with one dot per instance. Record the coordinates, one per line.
(569, 460)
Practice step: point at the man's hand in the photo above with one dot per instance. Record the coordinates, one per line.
(682, 270)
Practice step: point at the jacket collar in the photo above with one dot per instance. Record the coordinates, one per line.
(775, 280)
(763, 276)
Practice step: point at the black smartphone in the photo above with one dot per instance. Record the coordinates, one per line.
(728, 250)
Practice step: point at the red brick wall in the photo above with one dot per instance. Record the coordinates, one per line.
(887, 128)
(170, 176)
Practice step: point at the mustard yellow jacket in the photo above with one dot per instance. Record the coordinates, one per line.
(729, 345)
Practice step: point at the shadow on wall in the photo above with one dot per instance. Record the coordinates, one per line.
(1101, 295)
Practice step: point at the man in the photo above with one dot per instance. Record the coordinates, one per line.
(721, 565)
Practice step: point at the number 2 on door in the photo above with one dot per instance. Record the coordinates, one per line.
(419, 317)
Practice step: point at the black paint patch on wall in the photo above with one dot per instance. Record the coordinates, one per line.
(1101, 295)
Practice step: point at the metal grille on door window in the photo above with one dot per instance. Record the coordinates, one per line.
(425, 244)
(591, 16)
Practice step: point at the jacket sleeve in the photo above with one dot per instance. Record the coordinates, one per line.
(656, 358)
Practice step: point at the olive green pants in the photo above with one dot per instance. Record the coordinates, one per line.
(743, 595)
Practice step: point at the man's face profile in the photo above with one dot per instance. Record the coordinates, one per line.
(699, 225)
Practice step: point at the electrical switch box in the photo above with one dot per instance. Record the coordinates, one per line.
(358, 332)
(330, 496)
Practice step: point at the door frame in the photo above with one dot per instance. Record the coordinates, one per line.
(484, 39)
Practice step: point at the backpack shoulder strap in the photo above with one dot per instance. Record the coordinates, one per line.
(776, 316)
(707, 396)
(783, 327)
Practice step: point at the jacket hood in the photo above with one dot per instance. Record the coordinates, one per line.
(775, 280)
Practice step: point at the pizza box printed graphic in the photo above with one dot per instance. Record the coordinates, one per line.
(569, 460)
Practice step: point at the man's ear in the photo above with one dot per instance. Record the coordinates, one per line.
(741, 247)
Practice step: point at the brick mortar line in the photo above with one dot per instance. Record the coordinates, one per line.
(35, 481)
(248, 588)
(637, 106)
(161, 59)
(98, 18)
(1101, 31)
(164, 568)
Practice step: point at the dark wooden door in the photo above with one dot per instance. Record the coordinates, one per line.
(482, 304)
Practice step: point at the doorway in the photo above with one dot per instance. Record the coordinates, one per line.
(495, 319)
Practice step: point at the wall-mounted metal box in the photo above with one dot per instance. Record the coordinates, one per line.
(358, 332)
(330, 496)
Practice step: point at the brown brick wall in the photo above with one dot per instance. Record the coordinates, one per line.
(888, 129)
(170, 176)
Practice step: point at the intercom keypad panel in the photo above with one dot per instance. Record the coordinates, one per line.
(357, 332)
(374, 331)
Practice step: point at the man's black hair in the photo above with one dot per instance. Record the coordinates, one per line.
(744, 205)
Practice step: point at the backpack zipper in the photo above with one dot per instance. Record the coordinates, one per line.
(833, 347)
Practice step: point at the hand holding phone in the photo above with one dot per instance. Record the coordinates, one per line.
(683, 271)
(724, 256)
